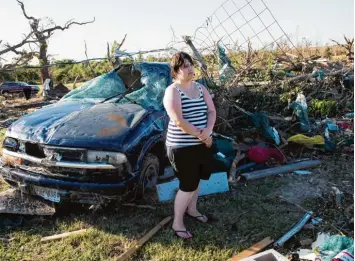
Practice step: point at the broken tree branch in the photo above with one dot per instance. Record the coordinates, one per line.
(197, 55)
(63, 235)
(310, 75)
(87, 58)
(12, 48)
(66, 26)
(24, 11)
(122, 42)
(143, 240)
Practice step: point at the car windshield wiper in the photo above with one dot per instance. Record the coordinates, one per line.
(123, 94)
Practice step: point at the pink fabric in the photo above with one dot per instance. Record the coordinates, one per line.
(260, 154)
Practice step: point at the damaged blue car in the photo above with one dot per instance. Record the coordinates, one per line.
(102, 141)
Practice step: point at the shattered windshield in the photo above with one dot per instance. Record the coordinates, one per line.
(144, 83)
(101, 87)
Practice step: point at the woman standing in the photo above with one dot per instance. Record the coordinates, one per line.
(192, 117)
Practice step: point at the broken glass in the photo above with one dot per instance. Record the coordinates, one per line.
(101, 87)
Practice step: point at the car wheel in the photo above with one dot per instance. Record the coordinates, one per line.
(148, 176)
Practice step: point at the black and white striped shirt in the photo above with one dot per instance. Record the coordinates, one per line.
(195, 112)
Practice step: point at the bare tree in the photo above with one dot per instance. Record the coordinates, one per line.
(349, 46)
(41, 30)
(12, 48)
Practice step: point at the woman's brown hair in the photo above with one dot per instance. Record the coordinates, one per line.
(177, 61)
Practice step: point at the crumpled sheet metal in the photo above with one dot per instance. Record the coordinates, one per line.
(80, 120)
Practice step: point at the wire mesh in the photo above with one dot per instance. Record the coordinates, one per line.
(246, 27)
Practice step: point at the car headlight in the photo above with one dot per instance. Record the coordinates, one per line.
(10, 144)
(114, 158)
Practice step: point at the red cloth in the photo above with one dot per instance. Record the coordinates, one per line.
(260, 154)
(343, 125)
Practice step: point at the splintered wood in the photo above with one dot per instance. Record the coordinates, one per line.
(253, 249)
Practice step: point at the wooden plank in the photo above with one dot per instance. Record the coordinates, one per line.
(253, 249)
(217, 183)
(143, 240)
(63, 235)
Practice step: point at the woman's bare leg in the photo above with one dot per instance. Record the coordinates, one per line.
(182, 200)
(192, 207)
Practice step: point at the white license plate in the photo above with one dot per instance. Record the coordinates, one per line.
(46, 193)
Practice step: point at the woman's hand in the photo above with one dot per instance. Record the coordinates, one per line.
(205, 133)
(208, 142)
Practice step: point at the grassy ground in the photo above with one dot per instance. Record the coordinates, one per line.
(242, 217)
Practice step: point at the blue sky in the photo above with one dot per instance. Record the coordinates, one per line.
(148, 23)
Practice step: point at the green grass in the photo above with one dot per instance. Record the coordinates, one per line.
(70, 85)
(243, 216)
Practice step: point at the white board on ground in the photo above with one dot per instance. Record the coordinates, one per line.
(217, 183)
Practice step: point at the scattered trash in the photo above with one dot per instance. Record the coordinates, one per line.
(336, 246)
(267, 255)
(343, 125)
(261, 121)
(338, 196)
(259, 154)
(306, 242)
(309, 141)
(226, 70)
(321, 239)
(306, 254)
(319, 74)
(282, 169)
(294, 230)
(349, 149)
(302, 172)
(349, 115)
(253, 249)
(309, 226)
(332, 126)
(316, 221)
(300, 108)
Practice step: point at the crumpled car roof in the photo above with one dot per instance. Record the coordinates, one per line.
(155, 77)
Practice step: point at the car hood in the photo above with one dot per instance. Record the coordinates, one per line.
(79, 124)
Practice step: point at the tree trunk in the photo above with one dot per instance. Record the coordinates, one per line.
(43, 60)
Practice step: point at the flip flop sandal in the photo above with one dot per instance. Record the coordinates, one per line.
(198, 218)
(182, 231)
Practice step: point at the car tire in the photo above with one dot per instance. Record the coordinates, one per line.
(148, 177)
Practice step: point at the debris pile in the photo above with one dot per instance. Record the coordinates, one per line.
(57, 92)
